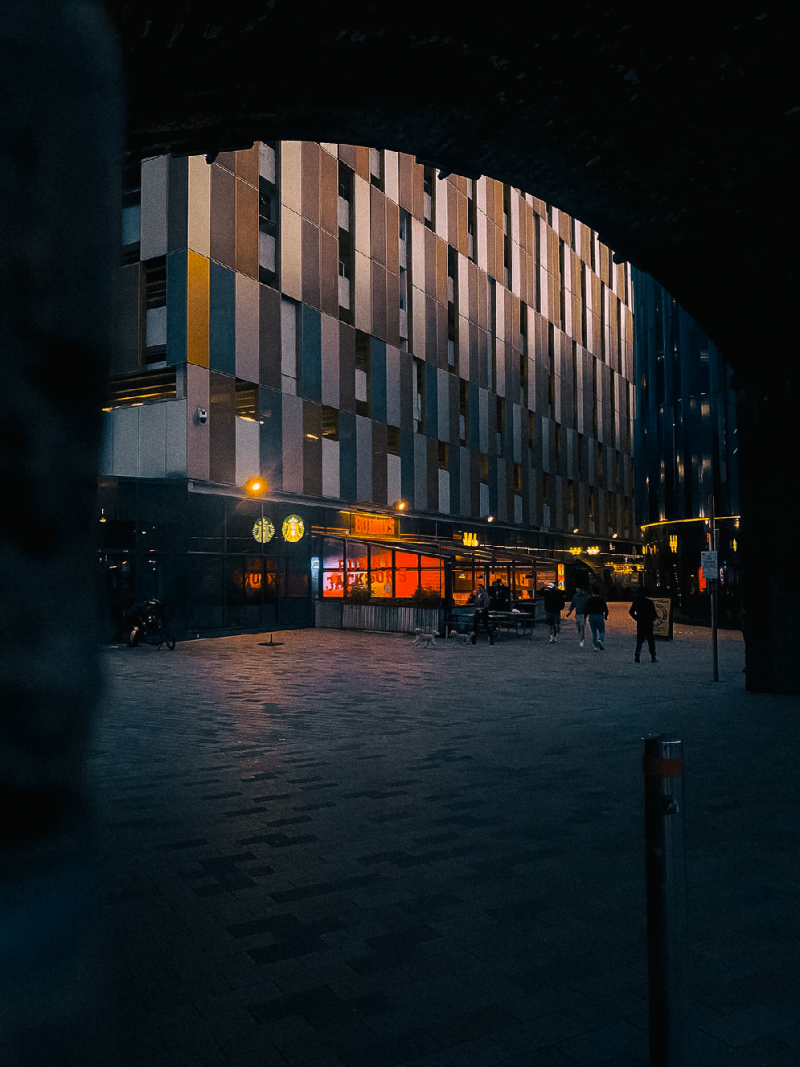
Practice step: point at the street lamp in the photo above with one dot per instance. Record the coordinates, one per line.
(255, 486)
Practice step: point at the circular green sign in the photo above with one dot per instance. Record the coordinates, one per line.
(263, 531)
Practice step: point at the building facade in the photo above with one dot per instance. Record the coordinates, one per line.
(434, 376)
(686, 452)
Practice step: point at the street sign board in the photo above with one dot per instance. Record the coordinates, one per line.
(662, 627)
(709, 562)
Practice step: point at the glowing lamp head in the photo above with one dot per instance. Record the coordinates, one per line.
(255, 486)
(401, 505)
(490, 518)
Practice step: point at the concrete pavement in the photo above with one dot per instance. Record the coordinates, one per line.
(347, 851)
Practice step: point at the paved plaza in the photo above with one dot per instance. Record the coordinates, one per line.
(348, 851)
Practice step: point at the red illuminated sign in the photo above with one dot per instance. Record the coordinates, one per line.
(372, 525)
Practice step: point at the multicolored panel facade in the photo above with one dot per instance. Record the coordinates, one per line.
(357, 329)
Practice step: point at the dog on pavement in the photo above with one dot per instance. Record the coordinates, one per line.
(459, 639)
(425, 640)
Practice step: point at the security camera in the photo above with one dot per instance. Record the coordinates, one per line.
(202, 415)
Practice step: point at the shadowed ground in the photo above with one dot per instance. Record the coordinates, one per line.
(350, 851)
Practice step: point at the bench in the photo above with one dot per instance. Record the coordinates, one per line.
(460, 619)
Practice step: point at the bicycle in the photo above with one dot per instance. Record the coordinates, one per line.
(152, 627)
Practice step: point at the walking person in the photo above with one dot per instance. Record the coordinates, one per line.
(644, 611)
(482, 605)
(580, 598)
(553, 606)
(597, 613)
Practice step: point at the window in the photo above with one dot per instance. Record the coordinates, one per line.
(404, 249)
(443, 456)
(574, 384)
(472, 222)
(330, 423)
(537, 274)
(531, 432)
(131, 212)
(483, 468)
(594, 398)
(501, 424)
(362, 373)
(546, 490)
(268, 213)
(557, 437)
(507, 281)
(463, 410)
(571, 497)
(346, 245)
(551, 377)
(517, 478)
(418, 372)
(155, 299)
(452, 310)
(376, 168)
(603, 321)
(246, 400)
(428, 178)
(393, 440)
(562, 283)
(584, 323)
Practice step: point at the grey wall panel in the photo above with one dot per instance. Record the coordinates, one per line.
(444, 492)
(420, 472)
(154, 207)
(126, 442)
(152, 440)
(330, 362)
(394, 489)
(247, 328)
(198, 436)
(483, 416)
(107, 444)
(466, 490)
(364, 458)
(443, 404)
(175, 439)
(330, 468)
(392, 386)
(292, 412)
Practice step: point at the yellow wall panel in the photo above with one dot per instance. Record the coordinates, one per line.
(197, 274)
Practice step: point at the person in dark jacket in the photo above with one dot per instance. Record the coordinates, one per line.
(499, 596)
(597, 613)
(644, 611)
(580, 599)
(553, 606)
(482, 605)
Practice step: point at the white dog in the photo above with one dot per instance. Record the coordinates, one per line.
(425, 640)
(459, 639)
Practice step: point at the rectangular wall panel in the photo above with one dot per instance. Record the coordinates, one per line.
(330, 468)
(246, 228)
(199, 205)
(247, 300)
(394, 490)
(364, 458)
(310, 354)
(198, 439)
(154, 208)
(175, 438)
(152, 440)
(420, 502)
(444, 492)
(329, 338)
(222, 319)
(291, 253)
(348, 465)
(127, 319)
(197, 309)
(248, 460)
(290, 184)
(223, 216)
(362, 213)
(271, 437)
(292, 418)
(126, 442)
(391, 180)
(392, 386)
(363, 269)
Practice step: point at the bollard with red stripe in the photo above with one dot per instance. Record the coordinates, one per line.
(666, 898)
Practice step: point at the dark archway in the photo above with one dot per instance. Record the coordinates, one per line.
(675, 140)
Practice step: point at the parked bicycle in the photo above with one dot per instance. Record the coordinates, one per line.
(150, 625)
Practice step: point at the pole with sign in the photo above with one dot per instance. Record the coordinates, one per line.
(711, 574)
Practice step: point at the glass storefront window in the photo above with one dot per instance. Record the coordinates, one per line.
(380, 572)
(332, 568)
(406, 573)
(432, 574)
(357, 564)
(464, 582)
(524, 580)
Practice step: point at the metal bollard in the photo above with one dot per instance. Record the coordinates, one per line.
(666, 898)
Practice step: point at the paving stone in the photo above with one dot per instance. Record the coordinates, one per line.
(413, 863)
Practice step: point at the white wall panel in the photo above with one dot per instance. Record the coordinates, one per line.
(440, 192)
(248, 462)
(154, 208)
(391, 186)
(199, 238)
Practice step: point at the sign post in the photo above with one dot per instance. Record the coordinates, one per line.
(711, 574)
